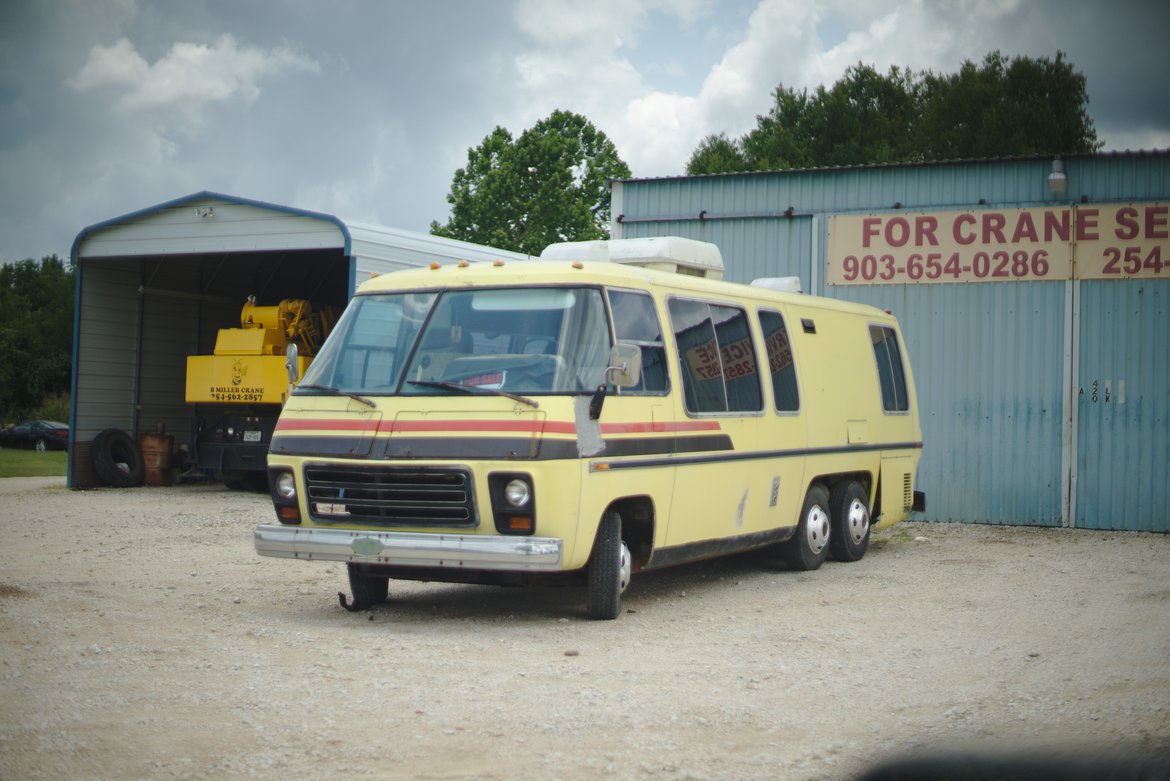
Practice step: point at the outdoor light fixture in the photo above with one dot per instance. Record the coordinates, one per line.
(1057, 181)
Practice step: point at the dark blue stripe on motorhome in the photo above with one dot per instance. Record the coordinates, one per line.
(755, 455)
(499, 448)
(352, 447)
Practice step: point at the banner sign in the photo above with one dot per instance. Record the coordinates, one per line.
(1117, 241)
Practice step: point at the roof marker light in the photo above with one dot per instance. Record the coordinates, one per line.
(463, 264)
(578, 264)
(435, 265)
(497, 263)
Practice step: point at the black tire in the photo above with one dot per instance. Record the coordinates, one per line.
(117, 459)
(368, 589)
(609, 570)
(809, 548)
(849, 514)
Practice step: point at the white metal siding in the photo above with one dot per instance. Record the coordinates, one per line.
(382, 250)
(167, 337)
(106, 348)
(231, 227)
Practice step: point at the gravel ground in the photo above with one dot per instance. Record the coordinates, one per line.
(141, 637)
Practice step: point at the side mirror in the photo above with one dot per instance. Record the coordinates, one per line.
(291, 364)
(625, 365)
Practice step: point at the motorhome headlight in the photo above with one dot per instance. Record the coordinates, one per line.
(517, 492)
(286, 486)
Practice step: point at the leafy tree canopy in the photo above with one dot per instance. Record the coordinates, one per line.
(36, 333)
(548, 185)
(1001, 108)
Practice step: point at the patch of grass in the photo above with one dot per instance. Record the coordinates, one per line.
(30, 463)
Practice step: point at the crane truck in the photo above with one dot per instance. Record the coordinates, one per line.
(239, 389)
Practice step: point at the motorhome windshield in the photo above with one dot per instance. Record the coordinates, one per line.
(525, 340)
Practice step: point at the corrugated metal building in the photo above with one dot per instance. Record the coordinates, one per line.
(156, 285)
(1035, 298)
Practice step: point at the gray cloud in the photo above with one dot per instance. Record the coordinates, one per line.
(365, 108)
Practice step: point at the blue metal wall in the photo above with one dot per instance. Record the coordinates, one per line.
(988, 366)
(1122, 468)
(999, 364)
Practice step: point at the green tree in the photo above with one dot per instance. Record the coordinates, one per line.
(779, 140)
(548, 185)
(1002, 108)
(1007, 107)
(36, 333)
(717, 155)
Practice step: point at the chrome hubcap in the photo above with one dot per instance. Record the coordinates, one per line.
(624, 568)
(857, 522)
(816, 526)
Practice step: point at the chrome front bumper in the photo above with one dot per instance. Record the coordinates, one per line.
(411, 549)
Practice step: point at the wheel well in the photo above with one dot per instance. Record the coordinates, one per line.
(637, 514)
(831, 481)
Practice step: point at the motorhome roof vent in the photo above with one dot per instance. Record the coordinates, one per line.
(782, 284)
(664, 253)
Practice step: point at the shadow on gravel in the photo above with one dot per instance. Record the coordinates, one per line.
(707, 581)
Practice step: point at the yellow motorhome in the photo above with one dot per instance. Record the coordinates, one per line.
(610, 408)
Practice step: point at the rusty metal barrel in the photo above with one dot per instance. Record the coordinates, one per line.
(156, 456)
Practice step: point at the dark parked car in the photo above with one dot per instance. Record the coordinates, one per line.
(36, 434)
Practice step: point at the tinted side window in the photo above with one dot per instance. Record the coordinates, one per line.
(891, 376)
(737, 352)
(702, 374)
(780, 364)
(716, 357)
(636, 322)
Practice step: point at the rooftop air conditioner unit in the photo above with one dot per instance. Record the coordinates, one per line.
(663, 253)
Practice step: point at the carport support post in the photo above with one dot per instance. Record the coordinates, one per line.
(137, 393)
(1072, 371)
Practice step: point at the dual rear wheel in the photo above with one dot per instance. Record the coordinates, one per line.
(836, 523)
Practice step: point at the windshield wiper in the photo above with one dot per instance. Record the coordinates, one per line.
(336, 392)
(448, 385)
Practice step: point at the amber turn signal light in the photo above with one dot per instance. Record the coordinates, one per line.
(520, 523)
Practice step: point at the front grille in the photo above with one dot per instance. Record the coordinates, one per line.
(390, 496)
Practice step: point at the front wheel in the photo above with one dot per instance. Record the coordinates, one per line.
(368, 590)
(810, 547)
(849, 510)
(609, 569)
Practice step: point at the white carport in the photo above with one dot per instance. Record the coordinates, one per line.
(156, 285)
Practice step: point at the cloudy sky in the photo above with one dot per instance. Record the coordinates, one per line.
(365, 108)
